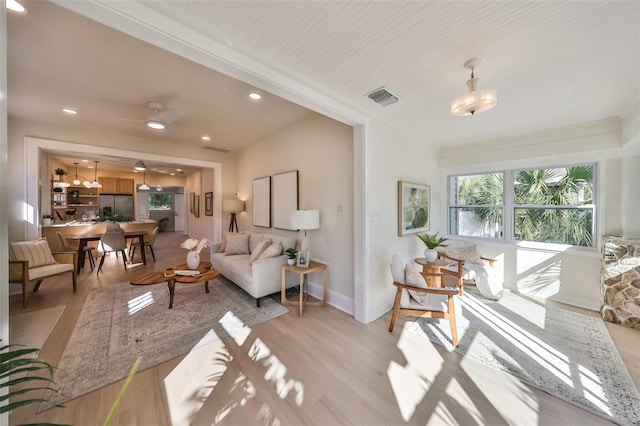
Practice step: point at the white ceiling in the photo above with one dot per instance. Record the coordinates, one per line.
(553, 64)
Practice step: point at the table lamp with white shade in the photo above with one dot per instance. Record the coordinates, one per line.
(305, 220)
(234, 207)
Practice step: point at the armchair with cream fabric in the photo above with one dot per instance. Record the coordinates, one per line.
(34, 261)
(415, 298)
(458, 257)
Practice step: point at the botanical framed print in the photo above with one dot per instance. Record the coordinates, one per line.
(302, 260)
(192, 203)
(414, 204)
(208, 203)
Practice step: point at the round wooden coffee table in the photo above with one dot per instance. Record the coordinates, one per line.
(205, 273)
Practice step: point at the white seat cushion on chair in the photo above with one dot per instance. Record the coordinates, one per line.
(49, 270)
(423, 301)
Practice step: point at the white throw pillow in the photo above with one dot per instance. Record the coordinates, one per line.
(261, 247)
(237, 244)
(223, 243)
(36, 252)
(416, 279)
(273, 250)
(467, 253)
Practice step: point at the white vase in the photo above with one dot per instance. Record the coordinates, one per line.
(291, 262)
(193, 260)
(431, 255)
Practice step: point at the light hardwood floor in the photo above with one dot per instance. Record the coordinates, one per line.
(323, 369)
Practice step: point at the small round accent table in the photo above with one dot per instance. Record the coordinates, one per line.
(432, 268)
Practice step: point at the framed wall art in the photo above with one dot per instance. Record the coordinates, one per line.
(208, 203)
(196, 208)
(192, 202)
(413, 208)
(261, 202)
(285, 199)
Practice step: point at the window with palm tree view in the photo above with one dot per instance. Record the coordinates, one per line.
(552, 205)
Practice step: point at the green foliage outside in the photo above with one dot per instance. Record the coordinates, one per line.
(533, 190)
(160, 202)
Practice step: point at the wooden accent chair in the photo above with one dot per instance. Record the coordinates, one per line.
(458, 256)
(33, 260)
(434, 302)
(87, 249)
(149, 240)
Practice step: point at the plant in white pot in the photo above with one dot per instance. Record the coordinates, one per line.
(291, 255)
(432, 241)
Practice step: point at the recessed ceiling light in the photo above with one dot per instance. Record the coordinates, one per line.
(206, 138)
(178, 170)
(15, 6)
(172, 174)
(85, 161)
(156, 125)
(255, 96)
(69, 111)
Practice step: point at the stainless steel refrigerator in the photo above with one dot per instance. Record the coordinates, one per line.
(120, 204)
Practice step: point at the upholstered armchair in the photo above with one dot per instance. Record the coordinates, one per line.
(34, 261)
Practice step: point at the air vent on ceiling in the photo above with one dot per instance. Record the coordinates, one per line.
(382, 97)
(215, 148)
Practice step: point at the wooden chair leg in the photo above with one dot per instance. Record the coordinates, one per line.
(133, 252)
(124, 259)
(101, 262)
(396, 309)
(75, 279)
(92, 262)
(452, 320)
(37, 287)
(25, 292)
(152, 254)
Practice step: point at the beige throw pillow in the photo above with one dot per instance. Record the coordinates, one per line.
(273, 250)
(36, 252)
(416, 279)
(223, 243)
(237, 244)
(261, 247)
(467, 253)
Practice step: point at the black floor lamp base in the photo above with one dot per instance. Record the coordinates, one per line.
(233, 223)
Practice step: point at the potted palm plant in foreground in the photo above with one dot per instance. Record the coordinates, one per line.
(432, 241)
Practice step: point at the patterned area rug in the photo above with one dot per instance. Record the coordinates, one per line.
(121, 322)
(566, 354)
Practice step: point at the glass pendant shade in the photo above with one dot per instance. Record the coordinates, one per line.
(95, 183)
(144, 186)
(475, 100)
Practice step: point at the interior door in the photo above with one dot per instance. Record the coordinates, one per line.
(178, 209)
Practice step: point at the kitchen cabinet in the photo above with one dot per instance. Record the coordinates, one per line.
(116, 185)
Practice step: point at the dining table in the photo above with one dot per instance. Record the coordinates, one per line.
(83, 239)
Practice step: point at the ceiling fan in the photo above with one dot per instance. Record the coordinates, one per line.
(159, 120)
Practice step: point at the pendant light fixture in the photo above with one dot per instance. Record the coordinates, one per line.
(95, 183)
(144, 186)
(476, 100)
(76, 181)
(140, 166)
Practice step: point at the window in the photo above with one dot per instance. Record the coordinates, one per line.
(160, 202)
(552, 205)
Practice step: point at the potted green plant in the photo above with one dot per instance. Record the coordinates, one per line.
(432, 241)
(291, 255)
(59, 173)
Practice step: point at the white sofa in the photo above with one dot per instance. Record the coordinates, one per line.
(260, 278)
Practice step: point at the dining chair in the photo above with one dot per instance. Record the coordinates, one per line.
(88, 250)
(149, 240)
(112, 242)
(415, 298)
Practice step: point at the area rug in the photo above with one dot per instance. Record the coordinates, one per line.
(121, 322)
(566, 354)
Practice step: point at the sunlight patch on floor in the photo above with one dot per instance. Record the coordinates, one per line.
(139, 303)
(190, 385)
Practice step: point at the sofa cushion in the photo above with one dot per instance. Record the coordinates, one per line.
(48, 270)
(257, 251)
(237, 244)
(37, 252)
(223, 243)
(273, 250)
(255, 239)
(287, 242)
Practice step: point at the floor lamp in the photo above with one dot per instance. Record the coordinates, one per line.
(234, 207)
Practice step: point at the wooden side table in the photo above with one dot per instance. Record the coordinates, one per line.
(432, 268)
(304, 278)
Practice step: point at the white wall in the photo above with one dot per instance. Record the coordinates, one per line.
(321, 149)
(391, 157)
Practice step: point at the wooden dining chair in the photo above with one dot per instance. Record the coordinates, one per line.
(148, 243)
(88, 250)
(418, 300)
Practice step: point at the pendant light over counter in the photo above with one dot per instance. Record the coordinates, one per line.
(95, 183)
(144, 186)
